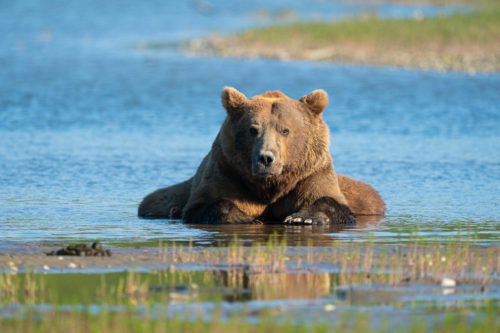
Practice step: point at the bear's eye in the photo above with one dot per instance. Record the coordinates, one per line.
(254, 131)
(285, 132)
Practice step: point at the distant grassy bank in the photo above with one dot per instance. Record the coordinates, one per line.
(463, 42)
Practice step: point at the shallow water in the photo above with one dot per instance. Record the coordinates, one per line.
(89, 124)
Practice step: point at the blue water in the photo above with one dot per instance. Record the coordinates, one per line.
(89, 124)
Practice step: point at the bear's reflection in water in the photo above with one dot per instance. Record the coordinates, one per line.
(242, 284)
(269, 286)
(318, 235)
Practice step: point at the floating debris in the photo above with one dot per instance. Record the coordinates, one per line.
(82, 250)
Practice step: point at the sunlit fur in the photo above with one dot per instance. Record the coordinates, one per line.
(228, 187)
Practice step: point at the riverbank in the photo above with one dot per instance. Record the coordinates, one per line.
(269, 288)
(468, 42)
(460, 259)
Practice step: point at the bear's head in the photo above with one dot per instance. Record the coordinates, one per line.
(271, 133)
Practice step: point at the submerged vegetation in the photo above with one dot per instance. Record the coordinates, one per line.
(462, 41)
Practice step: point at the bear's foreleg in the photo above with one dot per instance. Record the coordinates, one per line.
(219, 212)
(319, 200)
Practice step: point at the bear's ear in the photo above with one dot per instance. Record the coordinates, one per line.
(232, 100)
(316, 101)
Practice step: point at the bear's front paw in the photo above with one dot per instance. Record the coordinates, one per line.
(298, 218)
(323, 211)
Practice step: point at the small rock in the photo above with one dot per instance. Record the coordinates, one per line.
(46, 267)
(406, 279)
(60, 257)
(82, 250)
(72, 265)
(447, 283)
(330, 307)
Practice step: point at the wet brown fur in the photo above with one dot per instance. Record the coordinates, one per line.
(303, 188)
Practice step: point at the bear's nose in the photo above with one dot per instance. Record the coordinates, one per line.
(266, 158)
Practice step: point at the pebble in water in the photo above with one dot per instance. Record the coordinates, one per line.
(448, 283)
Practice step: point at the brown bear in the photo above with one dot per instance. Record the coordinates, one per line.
(269, 162)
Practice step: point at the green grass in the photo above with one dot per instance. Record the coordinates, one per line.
(481, 27)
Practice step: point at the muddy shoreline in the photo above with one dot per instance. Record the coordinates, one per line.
(461, 58)
(403, 263)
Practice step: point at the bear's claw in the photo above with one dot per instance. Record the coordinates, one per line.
(293, 219)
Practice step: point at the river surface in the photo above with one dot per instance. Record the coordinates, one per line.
(90, 124)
